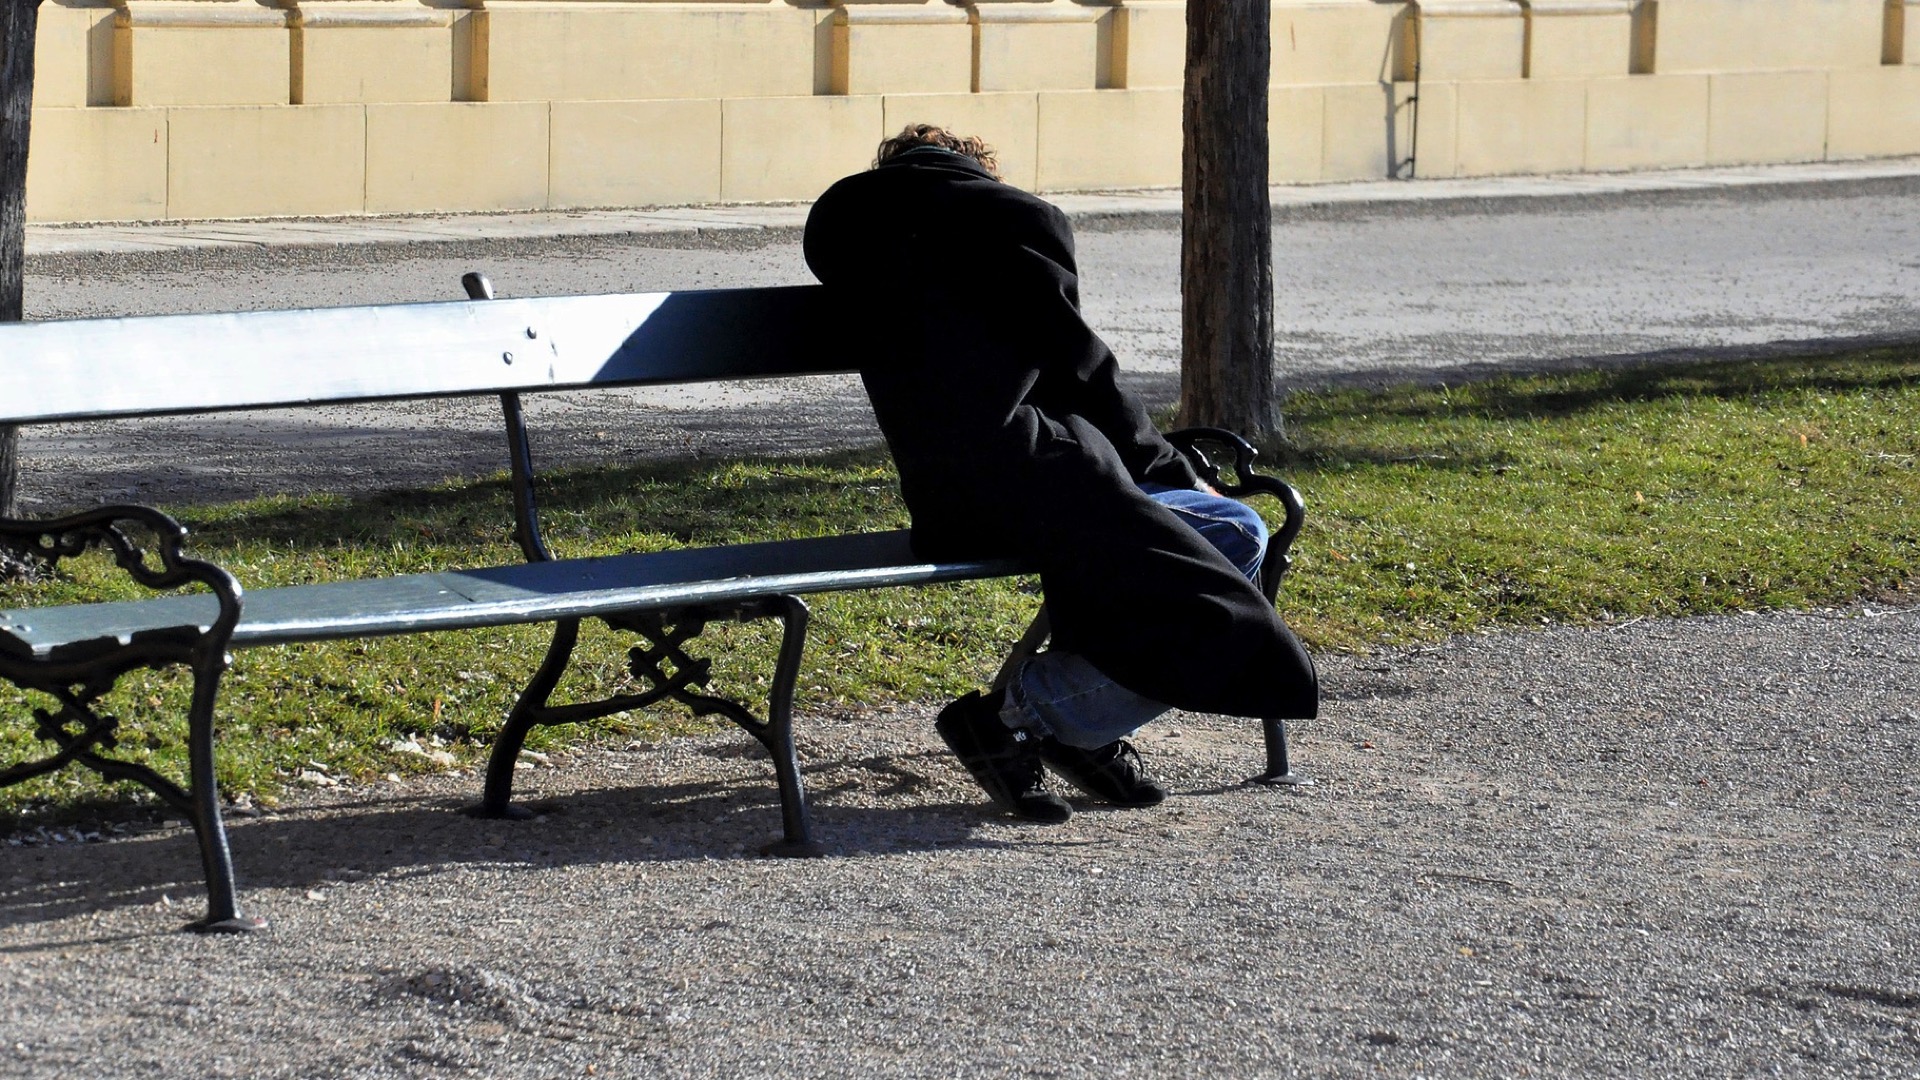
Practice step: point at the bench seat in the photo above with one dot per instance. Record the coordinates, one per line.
(499, 596)
(68, 658)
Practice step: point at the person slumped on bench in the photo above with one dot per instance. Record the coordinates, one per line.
(960, 299)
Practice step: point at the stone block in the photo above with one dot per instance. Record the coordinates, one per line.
(1149, 44)
(266, 161)
(97, 165)
(1008, 122)
(1521, 126)
(1727, 36)
(457, 156)
(635, 153)
(389, 51)
(1367, 129)
(200, 52)
(1052, 46)
(1647, 122)
(527, 50)
(1296, 134)
(73, 55)
(1457, 40)
(1767, 117)
(1316, 42)
(1571, 39)
(1874, 112)
(791, 148)
(917, 48)
(1092, 139)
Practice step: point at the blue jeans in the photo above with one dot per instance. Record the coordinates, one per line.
(1060, 694)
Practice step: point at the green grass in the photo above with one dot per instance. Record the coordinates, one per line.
(1601, 496)
(1431, 511)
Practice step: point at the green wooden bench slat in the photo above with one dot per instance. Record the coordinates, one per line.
(498, 596)
(162, 364)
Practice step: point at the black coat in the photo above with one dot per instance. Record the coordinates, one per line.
(961, 303)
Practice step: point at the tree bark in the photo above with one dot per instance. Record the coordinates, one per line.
(1226, 251)
(18, 21)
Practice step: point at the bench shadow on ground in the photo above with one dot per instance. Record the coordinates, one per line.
(863, 806)
(178, 463)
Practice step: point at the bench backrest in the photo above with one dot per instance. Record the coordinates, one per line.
(160, 364)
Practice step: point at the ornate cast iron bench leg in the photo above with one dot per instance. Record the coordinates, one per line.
(531, 710)
(223, 905)
(79, 674)
(670, 672)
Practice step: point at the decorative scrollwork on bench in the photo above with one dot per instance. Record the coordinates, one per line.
(58, 539)
(663, 663)
(1193, 441)
(79, 731)
(78, 672)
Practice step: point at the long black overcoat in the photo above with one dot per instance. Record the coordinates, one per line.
(961, 302)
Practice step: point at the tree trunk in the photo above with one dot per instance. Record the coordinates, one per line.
(1226, 250)
(18, 20)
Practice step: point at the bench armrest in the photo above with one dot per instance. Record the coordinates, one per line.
(1193, 442)
(124, 531)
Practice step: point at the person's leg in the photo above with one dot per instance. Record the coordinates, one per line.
(1060, 695)
(1004, 761)
(1061, 709)
(1231, 526)
(1082, 717)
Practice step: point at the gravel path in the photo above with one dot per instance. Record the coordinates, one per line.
(1676, 848)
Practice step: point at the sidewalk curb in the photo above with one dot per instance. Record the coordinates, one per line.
(133, 238)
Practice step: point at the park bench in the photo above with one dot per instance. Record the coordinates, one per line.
(100, 369)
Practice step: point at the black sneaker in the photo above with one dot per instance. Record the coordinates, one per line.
(1112, 773)
(1004, 762)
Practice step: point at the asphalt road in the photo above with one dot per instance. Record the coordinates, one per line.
(1359, 288)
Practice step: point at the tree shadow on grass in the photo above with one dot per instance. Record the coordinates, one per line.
(692, 501)
(1546, 398)
(1572, 388)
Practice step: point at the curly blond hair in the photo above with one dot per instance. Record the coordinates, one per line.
(933, 135)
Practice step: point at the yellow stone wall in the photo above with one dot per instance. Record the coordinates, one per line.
(348, 51)
(1573, 39)
(1715, 36)
(147, 109)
